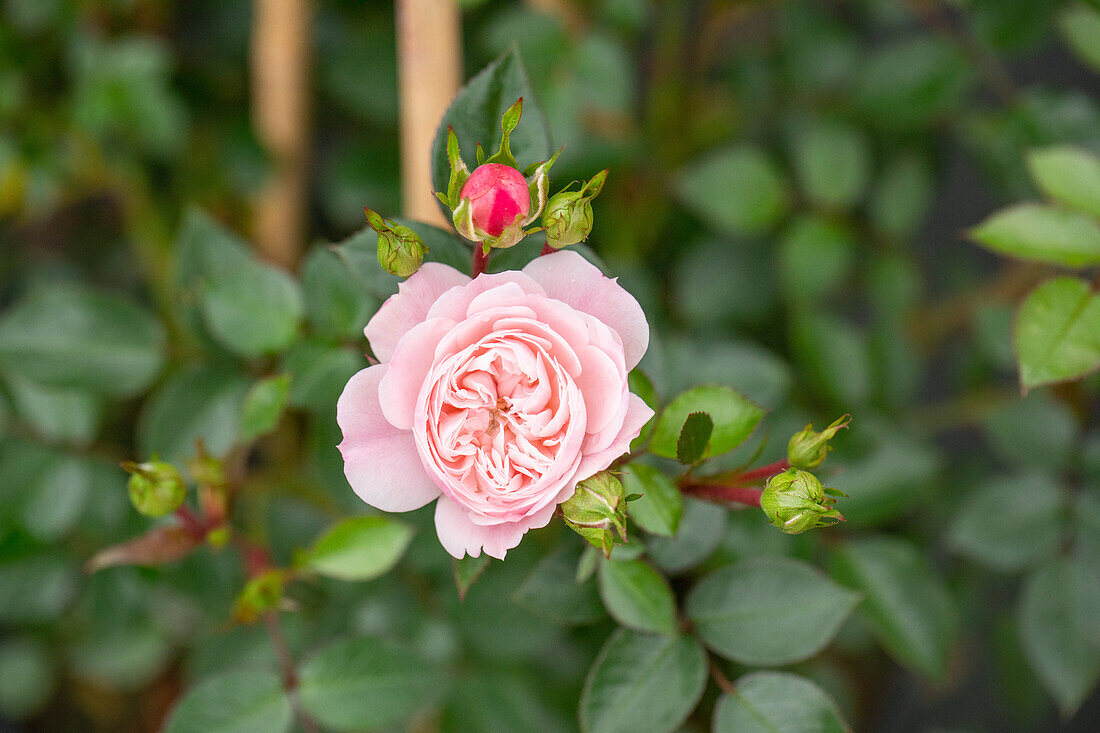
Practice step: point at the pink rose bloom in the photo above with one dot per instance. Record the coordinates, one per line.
(494, 395)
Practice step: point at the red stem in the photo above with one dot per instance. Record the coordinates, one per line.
(737, 494)
(481, 259)
(547, 249)
(764, 472)
(195, 525)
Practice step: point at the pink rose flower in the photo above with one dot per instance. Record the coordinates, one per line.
(494, 395)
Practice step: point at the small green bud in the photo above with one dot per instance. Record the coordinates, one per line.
(795, 501)
(597, 511)
(568, 214)
(156, 488)
(260, 594)
(807, 448)
(400, 249)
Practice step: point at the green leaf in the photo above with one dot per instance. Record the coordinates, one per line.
(475, 114)
(1042, 233)
(1069, 175)
(692, 443)
(26, 677)
(337, 305)
(36, 588)
(552, 591)
(900, 198)
(907, 84)
(200, 402)
(835, 356)
(734, 419)
(1037, 431)
(234, 702)
(637, 596)
(907, 604)
(1080, 27)
(777, 702)
(359, 548)
(204, 249)
(54, 500)
(253, 310)
(641, 683)
(263, 406)
(737, 190)
(1009, 522)
(768, 611)
(1058, 332)
(815, 258)
(64, 336)
(895, 475)
(64, 415)
(364, 684)
(359, 253)
(1058, 608)
(503, 700)
(832, 161)
(701, 530)
(467, 570)
(660, 507)
(318, 373)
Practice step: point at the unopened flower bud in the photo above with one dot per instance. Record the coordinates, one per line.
(400, 249)
(261, 594)
(597, 511)
(156, 488)
(496, 197)
(568, 215)
(807, 448)
(795, 501)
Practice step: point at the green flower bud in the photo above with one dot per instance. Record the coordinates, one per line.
(795, 501)
(807, 448)
(400, 249)
(260, 594)
(568, 215)
(597, 511)
(156, 488)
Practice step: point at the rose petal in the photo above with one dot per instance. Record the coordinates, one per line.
(455, 302)
(380, 461)
(410, 364)
(459, 536)
(638, 414)
(410, 306)
(570, 278)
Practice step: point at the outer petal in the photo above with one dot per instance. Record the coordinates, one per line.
(459, 536)
(380, 461)
(456, 302)
(570, 278)
(638, 414)
(409, 306)
(411, 363)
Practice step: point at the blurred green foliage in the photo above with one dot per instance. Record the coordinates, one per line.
(789, 183)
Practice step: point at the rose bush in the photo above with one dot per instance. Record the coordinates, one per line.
(495, 395)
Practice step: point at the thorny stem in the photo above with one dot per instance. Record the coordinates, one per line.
(747, 495)
(481, 259)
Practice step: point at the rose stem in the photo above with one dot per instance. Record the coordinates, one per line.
(546, 249)
(746, 495)
(481, 259)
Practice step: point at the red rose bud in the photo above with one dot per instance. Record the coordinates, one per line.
(498, 199)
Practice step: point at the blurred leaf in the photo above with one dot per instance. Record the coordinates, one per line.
(734, 419)
(66, 415)
(768, 611)
(26, 678)
(552, 591)
(359, 548)
(1069, 175)
(1058, 332)
(701, 530)
(694, 435)
(337, 305)
(641, 683)
(364, 683)
(199, 402)
(1038, 232)
(233, 702)
(263, 406)
(1059, 604)
(637, 596)
(777, 702)
(835, 355)
(318, 372)
(901, 197)
(738, 190)
(73, 337)
(503, 701)
(36, 588)
(758, 374)
(475, 116)
(467, 570)
(124, 660)
(1080, 27)
(160, 545)
(54, 500)
(894, 476)
(253, 310)
(1010, 522)
(913, 81)
(1034, 431)
(832, 161)
(204, 248)
(660, 507)
(907, 604)
(718, 282)
(815, 258)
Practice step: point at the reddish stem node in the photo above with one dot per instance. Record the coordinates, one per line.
(481, 259)
(547, 249)
(195, 525)
(747, 495)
